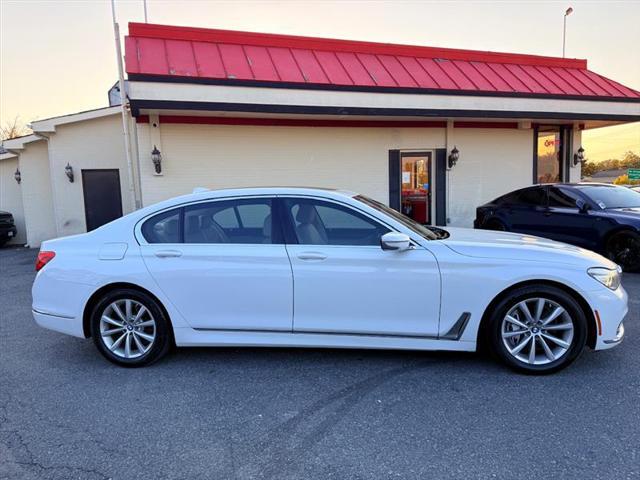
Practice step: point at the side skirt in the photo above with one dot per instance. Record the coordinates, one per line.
(188, 337)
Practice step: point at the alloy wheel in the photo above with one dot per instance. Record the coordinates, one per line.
(127, 328)
(537, 331)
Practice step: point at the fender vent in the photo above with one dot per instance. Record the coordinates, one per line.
(458, 328)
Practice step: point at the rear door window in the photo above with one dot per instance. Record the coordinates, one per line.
(231, 221)
(532, 197)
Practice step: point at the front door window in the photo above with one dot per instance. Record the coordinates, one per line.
(416, 186)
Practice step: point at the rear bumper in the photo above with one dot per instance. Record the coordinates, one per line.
(7, 233)
(68, 325)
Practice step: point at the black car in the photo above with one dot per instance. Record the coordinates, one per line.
(603, 218)
(8, 228)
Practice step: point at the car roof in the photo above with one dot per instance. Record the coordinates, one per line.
(271, 190)
(576, 184)
(205, 194)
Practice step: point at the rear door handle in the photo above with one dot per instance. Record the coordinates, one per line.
(168, 253)
(312, 256)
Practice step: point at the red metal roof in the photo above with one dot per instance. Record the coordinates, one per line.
(225, 56)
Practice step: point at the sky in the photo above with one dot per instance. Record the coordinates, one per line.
(58, 56)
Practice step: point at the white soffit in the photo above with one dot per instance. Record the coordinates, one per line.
(49, 125)
(7, 156)
(177, 92)
(19, 143)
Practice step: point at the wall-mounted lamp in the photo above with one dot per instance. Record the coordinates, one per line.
(17, 176)
(453, 157)
(68, 170)
(578, 157)
(156, 158)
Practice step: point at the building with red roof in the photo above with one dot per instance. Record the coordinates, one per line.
(221, 108)
(312, 109)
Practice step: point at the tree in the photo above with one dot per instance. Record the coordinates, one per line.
(624, 180)
(589, 168)
(13, 129)
(629, 160)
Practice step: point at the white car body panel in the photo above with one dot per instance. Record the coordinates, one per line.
(365, 290)
(226, 286)
(361, 297)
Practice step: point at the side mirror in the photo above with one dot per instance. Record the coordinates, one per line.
(395, 241)
(582, 205)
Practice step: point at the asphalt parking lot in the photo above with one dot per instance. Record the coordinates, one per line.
(229, 413)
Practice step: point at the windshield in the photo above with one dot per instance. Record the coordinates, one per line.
(606, 196)
(430, 233)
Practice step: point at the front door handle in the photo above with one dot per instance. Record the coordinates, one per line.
(168, 253)
(312, 256)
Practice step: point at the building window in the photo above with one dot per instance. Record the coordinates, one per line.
(549, 165)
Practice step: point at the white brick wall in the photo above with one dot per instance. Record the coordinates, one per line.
(90, 144)
(11, 197)
(36, 193)
(492, 161)
(219, 156)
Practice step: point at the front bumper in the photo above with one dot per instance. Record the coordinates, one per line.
(611, 308)
(68, 325)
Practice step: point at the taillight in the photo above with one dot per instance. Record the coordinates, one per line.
(44, 258)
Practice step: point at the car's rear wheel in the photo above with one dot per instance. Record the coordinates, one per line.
(495, 225)
(537, 329)
(130, 328)
(624, 249)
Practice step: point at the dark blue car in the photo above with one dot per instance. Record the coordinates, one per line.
(603, 218)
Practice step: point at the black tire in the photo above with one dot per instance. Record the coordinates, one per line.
(575, 314)
(495, 225)
(162, 329)
(624, 249)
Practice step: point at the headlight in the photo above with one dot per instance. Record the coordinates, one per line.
(609, 278)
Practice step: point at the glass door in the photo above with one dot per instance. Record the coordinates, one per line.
(551, 157)
(416, 185)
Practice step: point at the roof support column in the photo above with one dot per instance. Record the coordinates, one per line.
(449, 144)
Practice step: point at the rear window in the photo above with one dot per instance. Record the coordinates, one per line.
(237, 221)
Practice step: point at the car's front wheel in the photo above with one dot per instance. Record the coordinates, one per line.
(130, 328)
(624, 249)
(537, 329)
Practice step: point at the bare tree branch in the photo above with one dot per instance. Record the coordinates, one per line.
(13, 128)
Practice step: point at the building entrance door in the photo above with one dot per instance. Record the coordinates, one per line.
(416, 185)
(102, 198)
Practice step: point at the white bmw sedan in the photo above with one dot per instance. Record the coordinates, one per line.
(307, 267)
